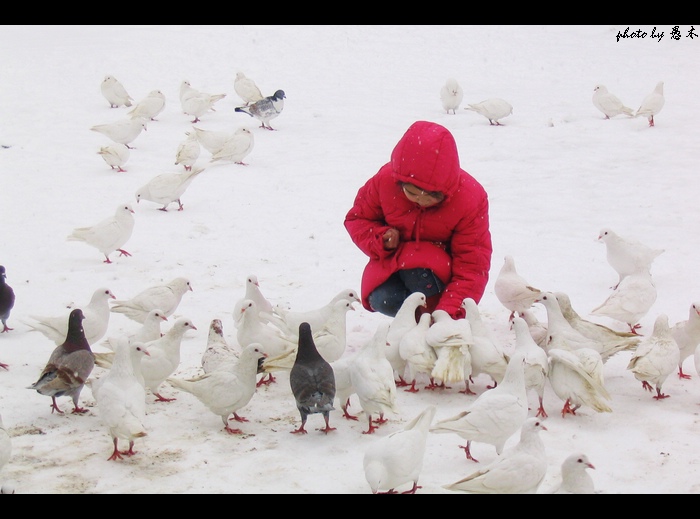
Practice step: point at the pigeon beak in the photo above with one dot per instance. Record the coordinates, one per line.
(145, 352)
(590, 466)
(163, 317)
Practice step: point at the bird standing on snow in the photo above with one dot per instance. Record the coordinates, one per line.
(167, 188)
(519, 470)
(121, 398)
(163, 358)
(217, 352)
(196, 103)
(687, 335)
(630, 301)
(149, 107)
(123, 131)
(246, 89)
(536, 362)
(108, 235)
(227, 389)
(452, 340)
(115, 93)
(266, 109)
(625, 255)
(493, 109)
(397, 459)
(253, 293)
(166, 297)
(495, 415)
(95, 319)
(512, 290)
(652, 104)
(312, 381)
(609, 103)
(236, 148)
(420, 356)
(487, 355)
(211, 140)
(373, 379)
(656, 357)
(7, 300)
(115, 155)
(68, 367)
(404, 320)
(451, 95)
(188, 151)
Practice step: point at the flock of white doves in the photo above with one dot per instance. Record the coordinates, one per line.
(567, 352)
(111, 234)
(494, 109)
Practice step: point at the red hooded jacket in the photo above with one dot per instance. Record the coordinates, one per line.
(451, 238)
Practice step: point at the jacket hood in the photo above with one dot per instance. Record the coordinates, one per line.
(427, 157)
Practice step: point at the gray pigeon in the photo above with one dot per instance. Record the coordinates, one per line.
(69, 366)
(7, 300)
(266, 109)
(312, 381)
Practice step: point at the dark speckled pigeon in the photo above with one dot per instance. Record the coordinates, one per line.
(312, 381)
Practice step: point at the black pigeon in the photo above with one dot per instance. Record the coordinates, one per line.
(7, 300)
(312, 381)
(69, 366)
(266, 109)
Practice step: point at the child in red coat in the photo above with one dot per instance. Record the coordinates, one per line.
(424, 223)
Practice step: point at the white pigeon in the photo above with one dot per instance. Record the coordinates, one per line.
(188, 151)
(627, 256)
(330, 339)
(217, 352)
(164, 357)
(166, 188)
(262, 305)
(452, 340)
(212, 140)
(536, 362)
(124, 131)
(150, 330)
(227, 389)
(609, 341)
(630, 301)
(246, 89)
(115, 93)
(687, 335)
(608, 103)
(95, 323)
(289, 320)
(495, 415)
(403, 321)
(373, 379)
(451, 95)
(656, 357)
(512, 290)
(5, 445)
(150, 106)
(487, 356)
(115, 155)
(252, 330)
(521, 469)
(397, 459)
(197, 103)
(420, 357)
(574, 477)
(577, 379)
(186, 90)
(266, 109)
(121, 398)
(166, 297)
(236, 148)
(538, 329)
(493, 109)
(108, 235)
(652, 103)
